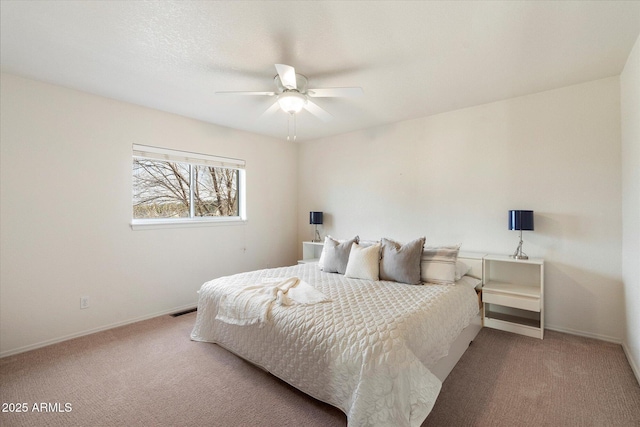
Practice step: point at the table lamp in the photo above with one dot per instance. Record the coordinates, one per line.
(315, 218)
(520, 220)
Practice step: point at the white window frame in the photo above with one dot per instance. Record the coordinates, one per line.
(195, 159)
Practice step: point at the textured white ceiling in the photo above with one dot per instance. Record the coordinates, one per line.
(412, 59)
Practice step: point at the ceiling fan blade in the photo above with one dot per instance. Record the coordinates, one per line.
(269, 111)
(287, 76)
(317, 111)
(246, 93)
(335, 91)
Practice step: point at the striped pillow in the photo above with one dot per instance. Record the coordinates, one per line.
(439, 264)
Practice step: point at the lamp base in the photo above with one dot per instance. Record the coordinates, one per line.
(518, 254)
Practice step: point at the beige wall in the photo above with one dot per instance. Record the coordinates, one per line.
(66, 209)
(66, 188)
(453, 177)
(630, 113)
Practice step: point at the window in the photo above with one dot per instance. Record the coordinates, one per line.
(176, 187)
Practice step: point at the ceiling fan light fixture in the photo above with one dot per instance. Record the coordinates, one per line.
(291, 101)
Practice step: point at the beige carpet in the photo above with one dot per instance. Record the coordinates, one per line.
(151, 374)
(510, 380)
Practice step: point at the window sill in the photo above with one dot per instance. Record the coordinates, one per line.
(154, 224)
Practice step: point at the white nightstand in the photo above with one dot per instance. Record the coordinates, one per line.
(513, 295)
(311, 252)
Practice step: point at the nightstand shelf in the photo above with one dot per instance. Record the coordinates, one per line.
(311, 252)
(519, 320)
(513, 295)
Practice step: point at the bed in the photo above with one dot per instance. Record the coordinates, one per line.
(377, 350)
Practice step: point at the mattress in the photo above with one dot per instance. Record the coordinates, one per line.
(366, 351)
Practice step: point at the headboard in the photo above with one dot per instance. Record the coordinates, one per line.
(473, 260)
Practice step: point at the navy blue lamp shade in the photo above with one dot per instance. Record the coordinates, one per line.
(521, 220)
(315, 217)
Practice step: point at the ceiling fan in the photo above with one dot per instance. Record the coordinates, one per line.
(292, 94)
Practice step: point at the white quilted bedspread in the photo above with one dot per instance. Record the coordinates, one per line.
(367, 351)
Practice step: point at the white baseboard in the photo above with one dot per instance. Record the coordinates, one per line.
(632, 362)
(94, 330)
(584, 334)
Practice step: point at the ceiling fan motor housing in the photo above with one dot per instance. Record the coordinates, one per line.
(301, 83)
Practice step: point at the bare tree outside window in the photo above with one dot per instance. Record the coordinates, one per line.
(216, 191)
(164, 189)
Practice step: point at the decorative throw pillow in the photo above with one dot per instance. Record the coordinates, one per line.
(336, 255)
(461, 269)
(439, 264)
(364, 262)
(322, 254)
(327, 238)
(401, 263)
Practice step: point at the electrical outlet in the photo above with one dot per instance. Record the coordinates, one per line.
(84, 302)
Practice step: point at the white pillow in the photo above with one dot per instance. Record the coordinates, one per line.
(364, 262)
(468, 281)
(324, 251)
(461, 269)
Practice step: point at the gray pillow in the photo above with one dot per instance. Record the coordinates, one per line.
(401, 263)
(337, 255)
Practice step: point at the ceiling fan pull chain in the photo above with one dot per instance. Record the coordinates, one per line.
(295, 131)
(295, 128)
